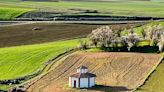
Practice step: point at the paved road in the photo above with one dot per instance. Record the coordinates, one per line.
(2, 23)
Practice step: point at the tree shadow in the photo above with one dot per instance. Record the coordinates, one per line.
(109, 88)
(144, 49)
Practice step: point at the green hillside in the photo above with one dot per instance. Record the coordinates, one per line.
(10, 9)
(82, 0)
(10, 0)
(24, 60)
(10, 13)
(154, 9)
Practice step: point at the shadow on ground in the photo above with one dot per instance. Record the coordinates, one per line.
(104, 88)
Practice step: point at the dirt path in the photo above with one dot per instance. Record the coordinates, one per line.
(115, 71)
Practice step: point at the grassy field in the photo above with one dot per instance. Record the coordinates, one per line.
(136, 8)
(116, 72)
(10, 13)
(24, 60)
(4, 87)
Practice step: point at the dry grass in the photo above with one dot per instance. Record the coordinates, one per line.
(115, 71)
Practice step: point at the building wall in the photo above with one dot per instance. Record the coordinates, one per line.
(83, 82)
(72, 82)
(92, 81)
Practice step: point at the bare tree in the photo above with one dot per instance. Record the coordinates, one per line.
(93, 38)
(83, 44)
(123, 41)
(154, 40)
(115, 43)
(102, 36)
(131, 40)
(154, 31)
(143, 32)
(118, 33)
(131, 31)
(161, 44)
(105, 37)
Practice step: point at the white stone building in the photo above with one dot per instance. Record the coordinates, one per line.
(82, 79)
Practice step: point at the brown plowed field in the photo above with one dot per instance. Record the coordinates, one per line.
(47, 32)
(115, 71)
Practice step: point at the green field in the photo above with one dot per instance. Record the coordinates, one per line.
(136, 8)
(24, 60)
(10, 13)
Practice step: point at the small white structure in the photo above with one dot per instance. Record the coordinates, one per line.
(82, 79)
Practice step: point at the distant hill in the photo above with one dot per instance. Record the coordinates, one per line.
(80, 0)
(76, 0)
(42, 0)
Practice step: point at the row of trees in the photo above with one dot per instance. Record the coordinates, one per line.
(106, 37)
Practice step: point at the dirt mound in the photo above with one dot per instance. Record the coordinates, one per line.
(115, 71)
